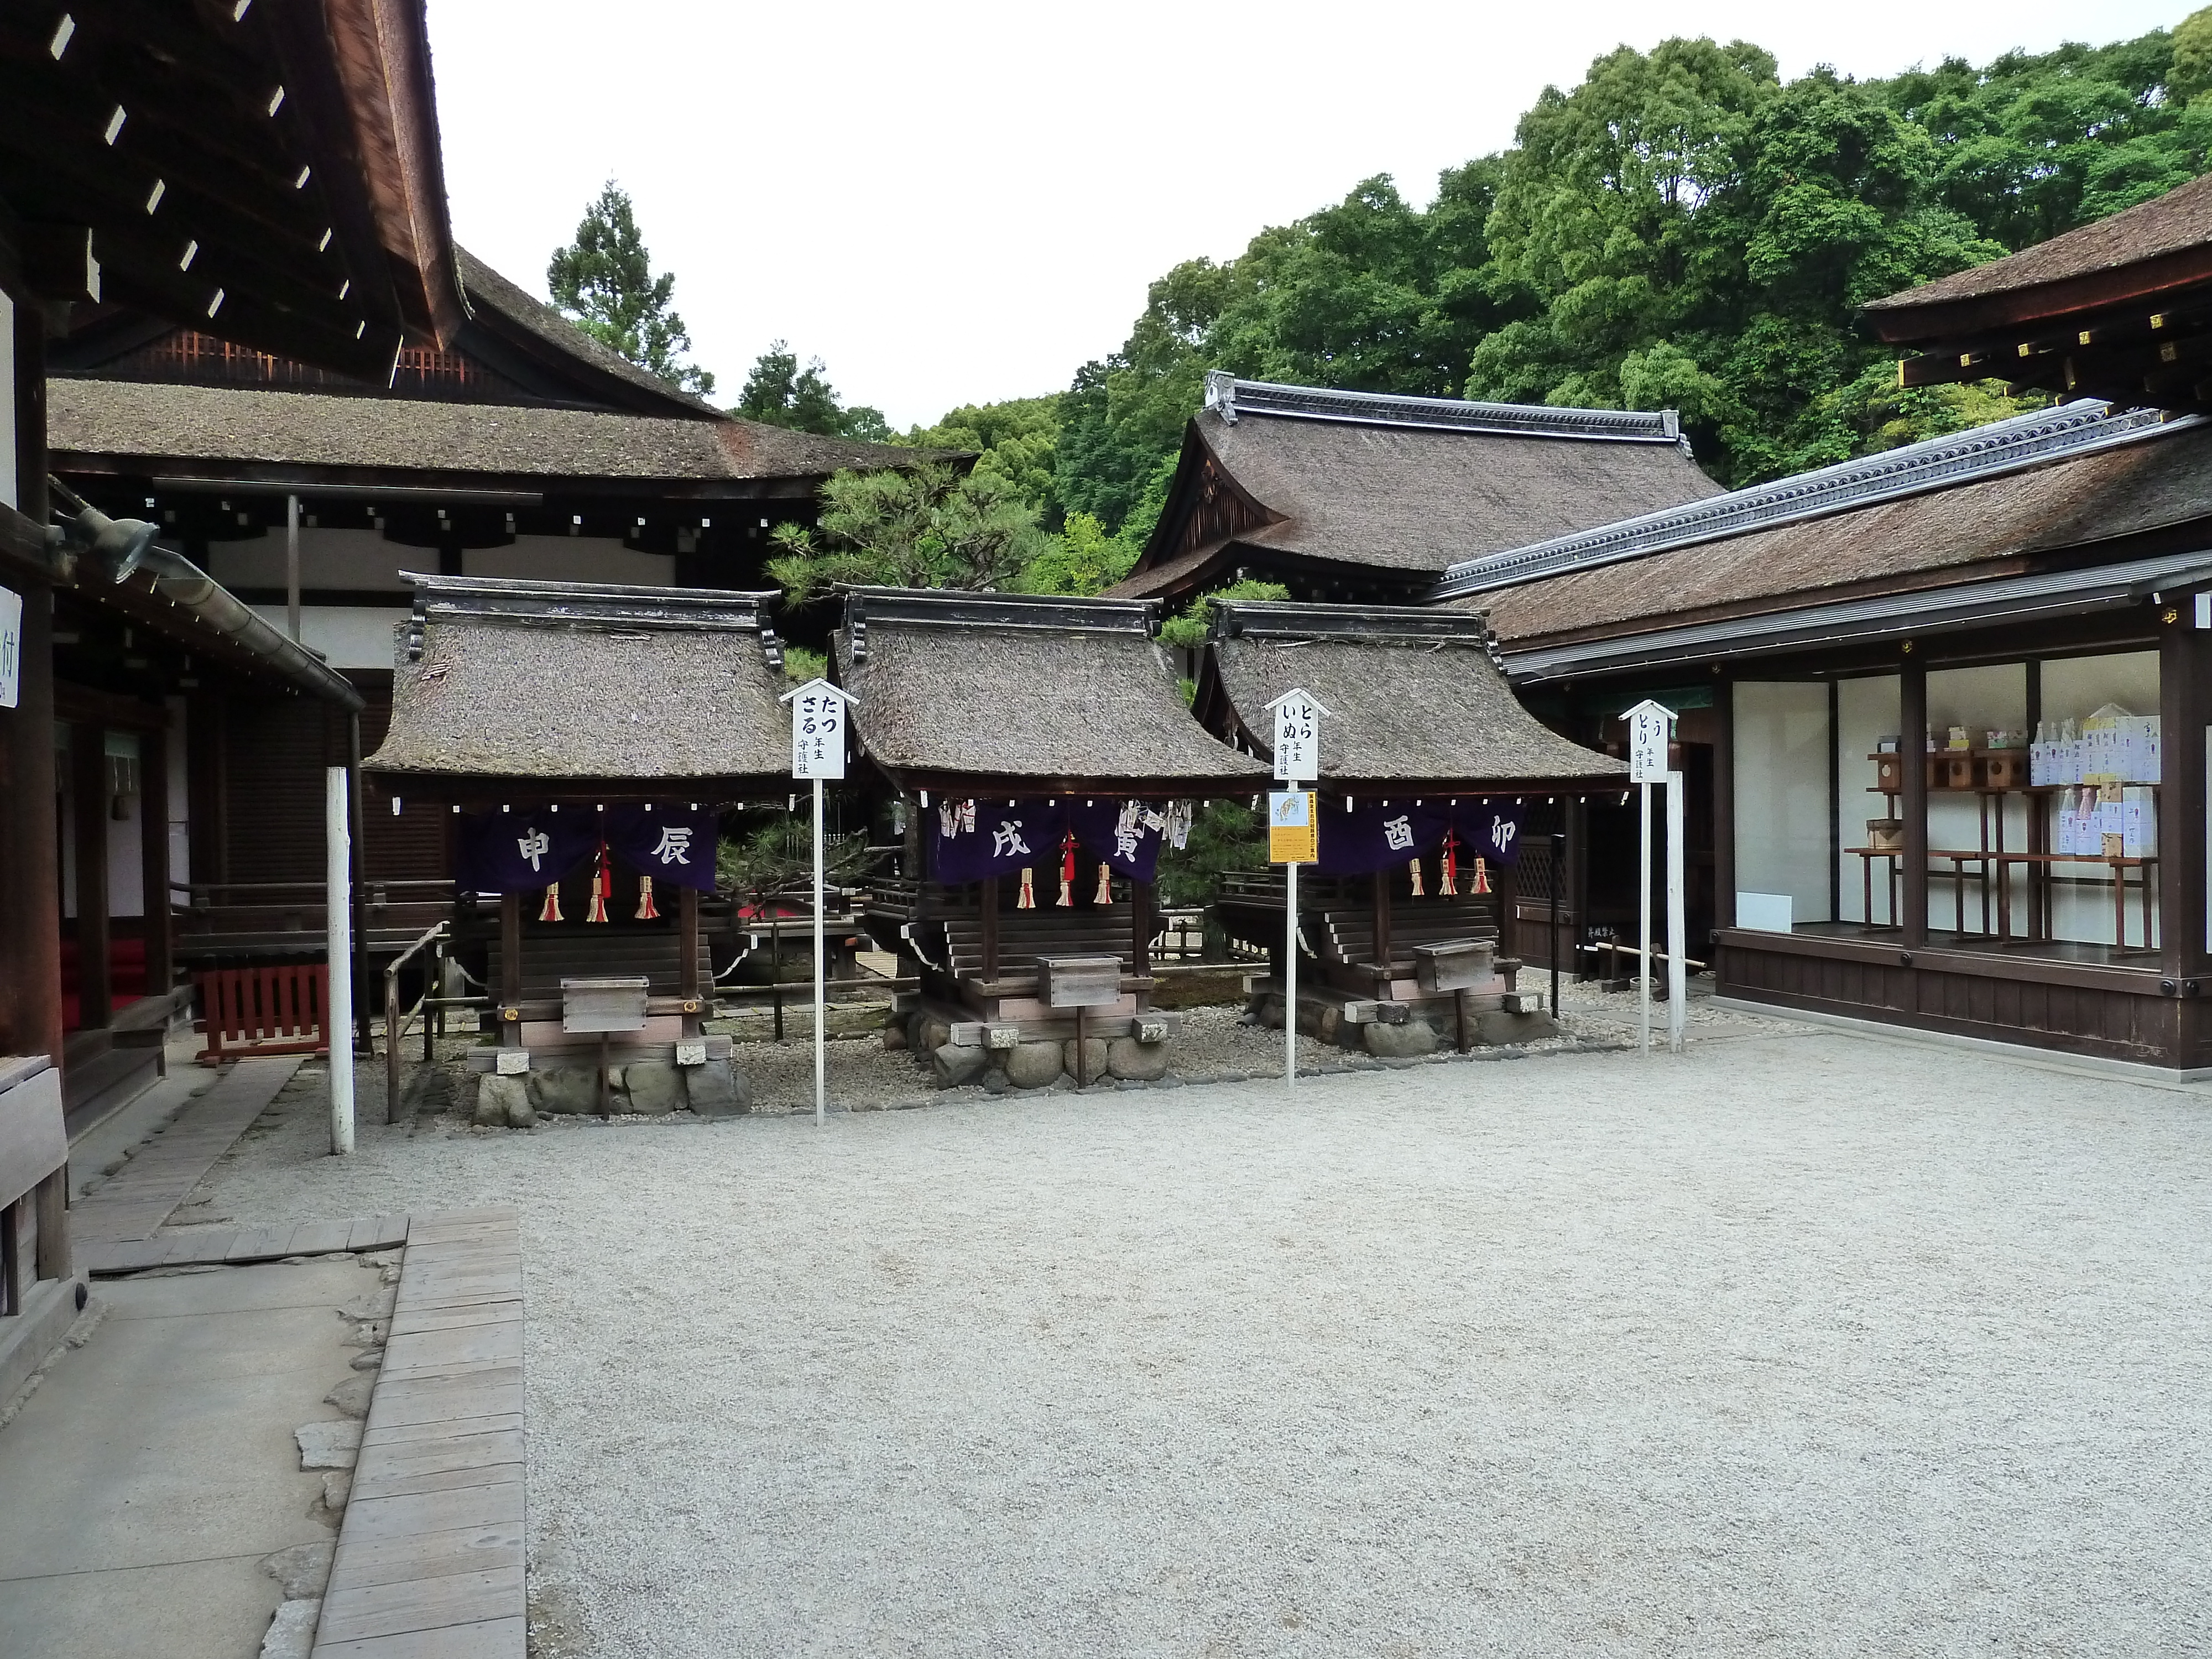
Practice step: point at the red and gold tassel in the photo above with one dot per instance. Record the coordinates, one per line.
(1066, 898)
(602, 887)
(550, 911)
(1105, 893)
(1447, 886)
(1481, 876)
(1028, 899)
(1414, 864)
(645, 910)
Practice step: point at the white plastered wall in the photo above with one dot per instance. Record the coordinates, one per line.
(1781, 787)
(1865, 713)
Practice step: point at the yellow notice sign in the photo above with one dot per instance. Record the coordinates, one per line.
(1293, 828)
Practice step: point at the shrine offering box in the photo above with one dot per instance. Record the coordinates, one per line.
(1886, 834)
(1888, 771)
(1952, 770)
(2004, 769)
(1454, 964)
(603, 1004)
(1079, 981)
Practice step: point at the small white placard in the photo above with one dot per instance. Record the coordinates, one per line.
(11, 647)
(691, 1054)
(513, 1063)
(1297, 738)
(1649, 726)
(1768, 912)
(817, 730)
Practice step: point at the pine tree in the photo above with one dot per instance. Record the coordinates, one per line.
(603, 282)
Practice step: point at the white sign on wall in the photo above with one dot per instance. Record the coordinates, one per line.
(817, 730)
(1649, 726)
(1298, 737)
(11, 648)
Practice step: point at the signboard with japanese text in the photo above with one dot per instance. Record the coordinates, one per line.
(1649, 726)
(817, 730)
(1297, 744)
(1293, 827)
(11, 647)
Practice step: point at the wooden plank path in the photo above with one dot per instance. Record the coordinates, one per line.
(429, 1560)
(236, 1246)
(134, 1202)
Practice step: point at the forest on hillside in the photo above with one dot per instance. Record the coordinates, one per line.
(1684, 229)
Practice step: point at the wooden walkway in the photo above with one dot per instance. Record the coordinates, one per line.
(134, 1202)
(430, 1559)
(234, 1247)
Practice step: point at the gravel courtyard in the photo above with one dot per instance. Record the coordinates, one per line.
(1801, 1343)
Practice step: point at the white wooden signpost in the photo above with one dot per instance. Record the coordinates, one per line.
(11, 646)
(1650, 724)
(817, 752)
(1293, 838)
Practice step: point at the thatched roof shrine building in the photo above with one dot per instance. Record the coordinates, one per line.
(1427, 760)
(1044, 756)
(2120, 309)
(1354, 496)
(579, 740)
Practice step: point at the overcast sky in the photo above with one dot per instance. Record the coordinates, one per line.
(960, 202)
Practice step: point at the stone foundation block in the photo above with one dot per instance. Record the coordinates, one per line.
(504, 1102)
(953, 1067)
(1033, 1065)
(1407, 1041)
(717, 1089)
(1094, 1058)
(655, 1086)
(1142, 1063)
(565, 1090)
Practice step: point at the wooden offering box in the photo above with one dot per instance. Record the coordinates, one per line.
(1079, 981)
(1952, 769)
(1455, 964)
(1888, 772)
(2003, 769)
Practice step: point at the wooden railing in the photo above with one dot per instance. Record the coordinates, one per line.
(396, 1018)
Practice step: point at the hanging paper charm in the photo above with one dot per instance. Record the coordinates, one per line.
(1028, 899)
(1447, 886)
(1066, 898)
(550, 911)
(645, 910)
(1481, 876)
(1414, 864)
(1105, 893)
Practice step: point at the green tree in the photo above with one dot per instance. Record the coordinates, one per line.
(926, 525)
(1082, 559)
(1014, 440)
(780, 393)
(603, 282)
(2191, 72)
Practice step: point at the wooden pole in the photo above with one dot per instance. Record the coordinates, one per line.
(1290, 976)
(989, 886)
(1912, 805)
(30, 878)
(292, 567)
(96, 1004)
(1678, 930)
(338, 1017)
(1643, 919)
(687, 936)
(2180, 801)
(510, 969)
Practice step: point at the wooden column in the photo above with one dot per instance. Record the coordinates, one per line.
(96, 1004)
(1724, 809)
(30, 874)
(2183, 696)
(1509, 906)
(1912, 798)
(1381, 943)
(510, 967)
(988, 898)
(1143, 906)
(1576, 895)
(154, 860)
(687, 944)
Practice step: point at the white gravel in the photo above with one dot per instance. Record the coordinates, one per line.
(1802, 1343)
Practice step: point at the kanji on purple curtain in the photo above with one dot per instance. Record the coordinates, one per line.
(521, 852)
(1491, 832)
(1125, 836)
(1371, 837)
(669, 843)
(970, 840)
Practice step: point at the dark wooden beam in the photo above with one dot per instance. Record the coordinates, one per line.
(2185, 713)
(154, 860)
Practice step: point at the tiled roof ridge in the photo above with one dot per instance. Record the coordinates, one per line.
(1232, 399)
(2020, 441)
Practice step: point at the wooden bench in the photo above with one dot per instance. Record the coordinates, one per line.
(280, 1008)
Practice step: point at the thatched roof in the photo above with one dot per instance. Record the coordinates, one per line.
(1001, 686)
(1993, 517)
(130, 420)
(2139, 254)
(1401, 486)
(1412, 695)
(506, 680)
(495, 302)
